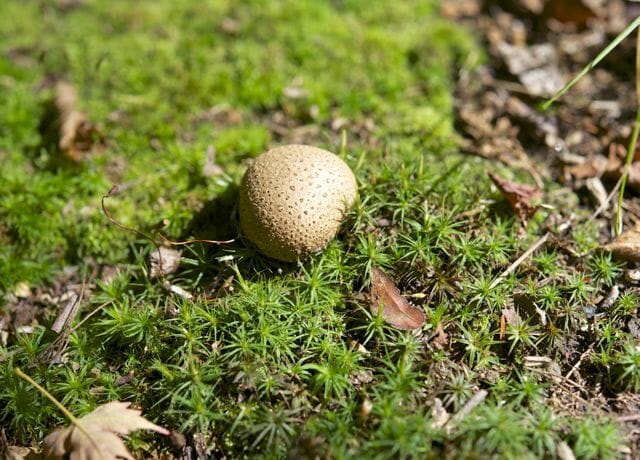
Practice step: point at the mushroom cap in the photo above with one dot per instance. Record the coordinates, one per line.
(293, 199)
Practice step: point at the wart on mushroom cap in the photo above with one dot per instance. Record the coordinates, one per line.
(293, 199)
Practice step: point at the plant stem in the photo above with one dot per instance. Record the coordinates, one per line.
(616, 41)
(49, 396)
(627, 166)
(72, 418)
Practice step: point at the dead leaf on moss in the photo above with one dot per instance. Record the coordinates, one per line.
(441, 339)
(97, 436)
(22, 453)
(395, 308)
(524, 199)
(78, 137)
(627, 245)
(164, 261)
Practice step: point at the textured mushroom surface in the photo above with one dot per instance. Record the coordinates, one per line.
(293, 199)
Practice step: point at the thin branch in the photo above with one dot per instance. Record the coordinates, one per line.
(182, 243)
(474, 402)
(539, 242)
(114, 191)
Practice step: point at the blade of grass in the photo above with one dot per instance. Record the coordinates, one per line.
(58, 404)
(631, 150)
(616, 41)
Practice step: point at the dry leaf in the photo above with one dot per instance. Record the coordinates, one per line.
(361, 377)
(537, 67)
(441, 339)
(78, 137)
(164, 261)
(524, 199)
(98, 439)
(395, 308)
(574, 11)
(627, 245)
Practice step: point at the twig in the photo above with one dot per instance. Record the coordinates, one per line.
(114, 191)
(628, 418)
(577, 365)
(182, 243)
(539, 242)
(474, 402)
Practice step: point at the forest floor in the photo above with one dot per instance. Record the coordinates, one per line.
(494, 218)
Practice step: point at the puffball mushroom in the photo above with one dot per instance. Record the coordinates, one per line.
(293, 199)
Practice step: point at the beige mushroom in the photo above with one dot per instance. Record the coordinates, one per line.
(293, 199)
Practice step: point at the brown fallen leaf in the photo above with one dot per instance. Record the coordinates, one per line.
(96, 437)
(395, 308)
(574, 11)
(441, 339)
(627, 245)
(78, 137)
(524, 199)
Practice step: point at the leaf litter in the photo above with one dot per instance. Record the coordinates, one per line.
(78, 137)
(395, 309)
(524, 199)
(97, 435)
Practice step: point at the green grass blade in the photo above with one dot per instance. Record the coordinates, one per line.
(616, 41)
(632, 143)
